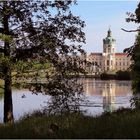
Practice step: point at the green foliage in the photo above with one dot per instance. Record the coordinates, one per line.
(123, 75)
(136, 72)
(134, 52)
(120, 75)
(42, 41)
(5, 38)
(136, 65)
(134, 17)
(106, 76)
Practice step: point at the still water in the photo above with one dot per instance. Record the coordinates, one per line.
(103, 96)
(106, 95)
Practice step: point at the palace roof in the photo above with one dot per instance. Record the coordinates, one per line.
(96, 54)
(124, 54)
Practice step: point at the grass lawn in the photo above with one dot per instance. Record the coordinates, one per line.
(121, 124)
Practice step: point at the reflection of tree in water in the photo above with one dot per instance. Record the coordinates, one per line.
(108, 94)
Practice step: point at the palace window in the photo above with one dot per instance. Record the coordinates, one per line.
(107, 62)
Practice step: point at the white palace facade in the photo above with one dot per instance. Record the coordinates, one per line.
(108, 60)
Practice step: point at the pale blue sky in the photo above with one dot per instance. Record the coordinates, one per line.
(99, 15)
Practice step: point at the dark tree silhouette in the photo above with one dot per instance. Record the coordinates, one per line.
(38, 36)
(134, 52)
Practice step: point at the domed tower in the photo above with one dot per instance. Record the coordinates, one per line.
(109, 49)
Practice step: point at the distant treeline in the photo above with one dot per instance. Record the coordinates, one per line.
(120, 75)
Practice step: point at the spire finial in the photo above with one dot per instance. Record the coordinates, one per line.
(109, 31)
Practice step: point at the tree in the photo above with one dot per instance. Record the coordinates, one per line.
(134, 52)
(41, 35)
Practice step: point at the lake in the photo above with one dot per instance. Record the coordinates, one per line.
(103, 95)
(107, 95)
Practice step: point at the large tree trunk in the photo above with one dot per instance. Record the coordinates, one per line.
(8, 106)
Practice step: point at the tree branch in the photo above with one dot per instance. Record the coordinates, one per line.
(137, 30)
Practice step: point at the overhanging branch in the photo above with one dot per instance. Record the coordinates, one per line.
(137, 30)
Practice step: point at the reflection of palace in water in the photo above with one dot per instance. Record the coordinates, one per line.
(108, 93)
(108, 90)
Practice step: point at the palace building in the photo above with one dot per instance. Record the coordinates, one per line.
(109, 60)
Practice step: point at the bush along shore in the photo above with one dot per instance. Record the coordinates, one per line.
(123, 123)
(119, 75)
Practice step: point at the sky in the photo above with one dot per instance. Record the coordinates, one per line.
(99, 16)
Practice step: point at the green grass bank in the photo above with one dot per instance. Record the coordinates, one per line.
(121, 124)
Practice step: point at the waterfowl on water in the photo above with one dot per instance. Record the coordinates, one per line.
(23, 96)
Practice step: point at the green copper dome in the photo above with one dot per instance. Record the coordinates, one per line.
(109, 39)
